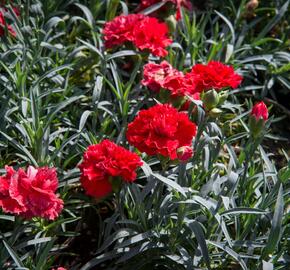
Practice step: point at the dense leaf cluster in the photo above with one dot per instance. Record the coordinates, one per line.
(60, 91)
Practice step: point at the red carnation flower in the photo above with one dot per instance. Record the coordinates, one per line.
(3, 25)
(163, 75)
(161, 130)
(8, 202)
(144, 32)
(175, 84)
(260, 111)
(152, 35)
(120, 29)
(156, 75)
(213, 75)
(102, 162)
(30, 194)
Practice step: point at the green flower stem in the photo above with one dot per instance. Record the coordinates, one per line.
(251, 146)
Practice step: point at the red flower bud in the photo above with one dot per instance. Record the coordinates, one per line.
(260, 111)
(184, 153)
(259, 116)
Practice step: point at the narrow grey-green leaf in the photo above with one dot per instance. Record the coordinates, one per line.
(231, 253)
(170, 183)
(243, 210)
(276, 227)
(121, 54)
(13, 254)
(200, 237)
(83, 119)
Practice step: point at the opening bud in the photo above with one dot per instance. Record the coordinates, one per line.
(184, 153)
(210, 99)
(259, 115)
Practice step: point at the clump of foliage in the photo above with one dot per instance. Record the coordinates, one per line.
(61, 91)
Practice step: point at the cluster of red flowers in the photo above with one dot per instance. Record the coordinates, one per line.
(30, 194)
(103, 163)
(144, 32)
(179, 3)
(214, 75)
(160, 130)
